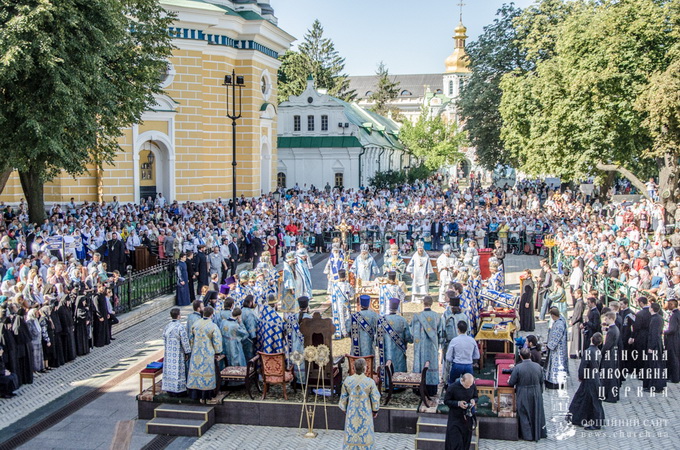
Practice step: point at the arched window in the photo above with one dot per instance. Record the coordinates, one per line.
(438, 91)
(461, 84)
(450, 88)
(281, 180)
(368, 93)
(339, 180)
(405, 93)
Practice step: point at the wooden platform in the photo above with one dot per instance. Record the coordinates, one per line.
(181, 420)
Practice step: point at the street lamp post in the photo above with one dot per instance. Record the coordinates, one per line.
(277, 197)
(233, 81)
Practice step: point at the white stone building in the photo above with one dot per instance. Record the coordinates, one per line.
(324, 140)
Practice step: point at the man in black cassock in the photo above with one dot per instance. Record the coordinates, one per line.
(592, 323)
(115, 254)
(638, 339)
(203, 277)
(460, 395)
(527, 378)
(655, 364)
(627, 320)
(258, 248)
(610, 358)
(585, 408)
(575, 340)
(100, 317)
(672, 341)
(68, 339)
(193, 274)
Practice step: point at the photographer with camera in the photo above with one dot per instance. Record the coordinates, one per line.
(461, 398)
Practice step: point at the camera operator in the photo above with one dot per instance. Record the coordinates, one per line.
(461, 398)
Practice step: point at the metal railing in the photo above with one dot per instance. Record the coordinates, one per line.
(145, 285)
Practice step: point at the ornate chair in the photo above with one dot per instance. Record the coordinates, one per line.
(247, 374)
(405, 380)
(317, 331)
(370, 371)
(274, 371)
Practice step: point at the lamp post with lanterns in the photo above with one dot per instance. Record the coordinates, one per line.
(234, 110)
(277, 196)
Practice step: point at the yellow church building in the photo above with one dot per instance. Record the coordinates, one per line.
(183, 147)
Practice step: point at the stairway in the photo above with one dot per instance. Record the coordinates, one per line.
(181, 420)
(431, 432)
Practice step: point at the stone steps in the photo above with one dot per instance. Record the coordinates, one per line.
(181, 420)
(431, 432)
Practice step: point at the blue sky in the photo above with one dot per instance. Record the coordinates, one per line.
(410, 36)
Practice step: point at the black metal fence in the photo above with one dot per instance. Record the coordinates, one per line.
(145, 285)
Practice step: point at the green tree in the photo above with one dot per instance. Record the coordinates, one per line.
(386, 90)
(433, 139)
(495, 53)
(72, 74)
(316, 55)
(596, 97)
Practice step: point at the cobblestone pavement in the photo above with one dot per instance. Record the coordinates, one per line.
(88, 372)
(246, 437)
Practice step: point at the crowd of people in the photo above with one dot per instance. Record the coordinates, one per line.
(57, 304)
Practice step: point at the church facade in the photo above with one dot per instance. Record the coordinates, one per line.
(324, 141)
(183, 147)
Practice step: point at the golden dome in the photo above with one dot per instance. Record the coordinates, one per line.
(457, 62)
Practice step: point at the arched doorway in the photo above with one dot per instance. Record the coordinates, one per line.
(153, 171)
(464, 168)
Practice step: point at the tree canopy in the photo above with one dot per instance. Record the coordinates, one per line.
(387, 89)
(495, 53)
(433, 139)
(316, 55)
(72, 75)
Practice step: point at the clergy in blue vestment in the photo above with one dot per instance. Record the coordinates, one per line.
(452, 315)
(291, 285)
(196, 315)
(225, 313)
(183, 296)
(364, 267)
(360, 400)
(206, 343)
(294, 338)
(363, 327)
(249, 320)
(426, 329)
(342, 294)
(233, 335)
(391, 289)
(302, 274)
(176, 348)
(394, 335)
(497, 281)
(270, 329)
(241, 289)
(558, 357)
(334, 264)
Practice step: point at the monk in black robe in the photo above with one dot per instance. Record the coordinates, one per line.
(672, 342)
(115, 254)
(82, 321)
(627, 320)
(655, 364)
(639, 334)
(22, 335)
(535, 349)
(9, 343)
(9, 382)
(610, 359)
(527, 378)
(57, 350)
(526, 306)
(585, 408)
(193, 274)
(201, 261)
(100, 329)
(68, 340)
(592, 322)
(576, 338)
(460, 396)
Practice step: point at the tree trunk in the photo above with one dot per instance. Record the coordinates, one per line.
(34, 191)
(606, 185)
(669, 191)
(4, 178)
(626, 173)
